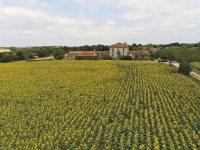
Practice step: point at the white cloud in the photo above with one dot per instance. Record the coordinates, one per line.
(93, 4)
(29, 21)
(110, 22)
(44, 4)
(161, 16)
(80, 2)
(32, 1)
(122, 20)
(190, 25)
(31, 32)
(134, 15)
(95, 9)
(147, 4)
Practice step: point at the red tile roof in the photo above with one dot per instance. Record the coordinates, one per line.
(88, 53)
(145, 52)
(119, 45)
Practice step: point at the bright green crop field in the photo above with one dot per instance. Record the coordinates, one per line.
(97, 105)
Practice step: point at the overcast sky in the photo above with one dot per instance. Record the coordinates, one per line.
(91, 22)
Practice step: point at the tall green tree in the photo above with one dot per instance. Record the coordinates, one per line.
(20, 55)
(185, 56)
(43, 52)
(7, 57)
(58, 54)
(170, 53)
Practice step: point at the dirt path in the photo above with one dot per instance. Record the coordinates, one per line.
(195, 75)
(43, 58)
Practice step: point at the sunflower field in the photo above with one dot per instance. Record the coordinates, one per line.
(196, 65)
(97, 105)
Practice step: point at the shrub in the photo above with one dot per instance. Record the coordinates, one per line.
(20, 55)
(58, 54)
(185, 69)
(7, 57)
(126, 58)
(43, 53)
(152, 58)
(106, 57)
(1, 55)
(87, 58)
(31, 56)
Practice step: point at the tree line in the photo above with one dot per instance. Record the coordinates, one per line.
(183, 55)
(44, 51)
(18, 54)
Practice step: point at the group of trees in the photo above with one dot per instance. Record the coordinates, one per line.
(150, 46)
(184, 56)
(98, 47)
(134, 46)
(173, 51)
(17, 54)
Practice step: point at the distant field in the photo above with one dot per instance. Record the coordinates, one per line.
(97, 105)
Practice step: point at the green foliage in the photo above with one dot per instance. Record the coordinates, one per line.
(1, 55)
(159, 54)
(133, 46)
(66, 49)
(106, 57)
(7, 57)
(31, 56)
(20, 55)
(58, 54)
(184, 69)
(170, 53)
(126, 58)
(87, 58)
(42, 53)
(145, 56)
(187, 55)
(151, 55)
(98, 47)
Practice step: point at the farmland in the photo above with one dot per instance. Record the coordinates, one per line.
(97, 105)
(196, 65)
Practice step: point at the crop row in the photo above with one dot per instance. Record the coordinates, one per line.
(97, 105)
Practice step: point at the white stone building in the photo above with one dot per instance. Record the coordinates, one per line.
(118, 49)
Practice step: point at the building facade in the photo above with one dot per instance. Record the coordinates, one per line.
(118, 49)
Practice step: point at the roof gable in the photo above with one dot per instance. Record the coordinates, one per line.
(119, 45)
(88, 53)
